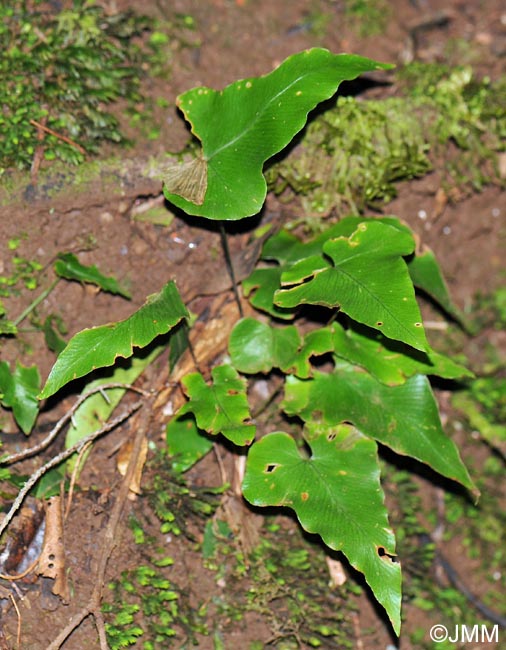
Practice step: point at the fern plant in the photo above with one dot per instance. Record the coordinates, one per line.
(375, 389)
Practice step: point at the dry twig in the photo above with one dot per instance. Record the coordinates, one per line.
(26, 453)
(93, 606)
(61, 457)
(46, 129)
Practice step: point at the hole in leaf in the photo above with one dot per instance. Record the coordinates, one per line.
(418, 325)
(271, 468)
(331, 437)
(386, 556)
(379, 323)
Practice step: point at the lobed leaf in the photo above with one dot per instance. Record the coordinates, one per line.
(257, 347)
(221, 407)
(335, 493)
(68, 266)
(245, 124)
(99, 347)
(287, 250)
(18, 391)
(389, 361)
(368, 280)
(404, 418)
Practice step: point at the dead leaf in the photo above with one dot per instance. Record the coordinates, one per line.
(52, 559)
(336, 572)
(440, 203)
(123, 460)
(188, 180)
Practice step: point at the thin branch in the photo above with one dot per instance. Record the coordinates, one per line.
(42, 127)
(26, 453)
(109, 542)
(61, 457)
(18, 633)
(73, 478)
(20, 576)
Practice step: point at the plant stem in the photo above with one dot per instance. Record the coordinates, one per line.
(230, 267)
(34, 304)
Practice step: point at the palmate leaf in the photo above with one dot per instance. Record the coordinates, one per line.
(257, 347)
(368, 280)
(18, 391)
(99, 347)
(404, 418)
(221, 407)
(69, 267)
(248, 122)
(335, 493)
(286, 249)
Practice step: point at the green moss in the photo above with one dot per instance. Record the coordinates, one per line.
(353, 156)
(285, 581)
(76, 62)
(174, 502)
(367, 17)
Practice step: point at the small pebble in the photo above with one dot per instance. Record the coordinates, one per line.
(168, 409)
(447, 230)
(422, 214)
(123, 207)
(496, 212)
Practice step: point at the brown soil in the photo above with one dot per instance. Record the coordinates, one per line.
(237, 39)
